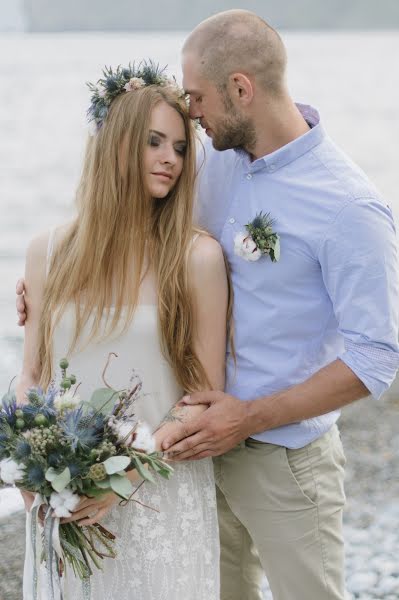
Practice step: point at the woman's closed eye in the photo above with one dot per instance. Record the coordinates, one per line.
(180, 149)
(154, 140)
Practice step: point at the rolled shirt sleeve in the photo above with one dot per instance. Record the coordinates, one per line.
(358, 258)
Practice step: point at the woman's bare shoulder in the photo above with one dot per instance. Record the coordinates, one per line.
(206, 260)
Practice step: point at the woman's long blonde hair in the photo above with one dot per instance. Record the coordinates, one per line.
(117, 224)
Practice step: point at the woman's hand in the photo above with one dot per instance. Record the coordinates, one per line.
(91, 510)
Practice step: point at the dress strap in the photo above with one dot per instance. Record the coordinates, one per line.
(194, 238)
(50, 250)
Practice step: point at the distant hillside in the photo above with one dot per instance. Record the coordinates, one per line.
(62, 15)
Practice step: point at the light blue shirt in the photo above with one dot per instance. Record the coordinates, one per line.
(333, 293)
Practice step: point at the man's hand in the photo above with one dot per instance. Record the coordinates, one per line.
(20, 302)
(221, 427)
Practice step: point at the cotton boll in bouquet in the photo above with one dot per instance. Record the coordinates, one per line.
(63, 448)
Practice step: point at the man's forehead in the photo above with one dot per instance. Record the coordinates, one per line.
(191, 72)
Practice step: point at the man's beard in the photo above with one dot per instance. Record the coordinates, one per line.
(234, 130)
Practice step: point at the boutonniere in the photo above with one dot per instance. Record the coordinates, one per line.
(258, 240)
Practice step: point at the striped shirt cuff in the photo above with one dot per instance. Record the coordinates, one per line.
(375, 367)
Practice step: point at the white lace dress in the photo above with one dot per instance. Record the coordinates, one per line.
(172, 554)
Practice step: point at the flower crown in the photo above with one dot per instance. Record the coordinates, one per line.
(127, 79)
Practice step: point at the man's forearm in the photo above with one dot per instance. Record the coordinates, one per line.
(329, 389)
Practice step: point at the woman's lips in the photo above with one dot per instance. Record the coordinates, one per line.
(164, 176)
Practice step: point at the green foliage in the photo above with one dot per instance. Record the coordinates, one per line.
(266, 240)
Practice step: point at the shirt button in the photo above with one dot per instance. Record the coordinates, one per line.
(272, 167)
(232, 220)
(249, 176)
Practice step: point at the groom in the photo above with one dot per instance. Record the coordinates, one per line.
(314, 331)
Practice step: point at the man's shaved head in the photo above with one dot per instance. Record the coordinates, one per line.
(238, 41)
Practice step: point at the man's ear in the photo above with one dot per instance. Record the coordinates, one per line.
(241, 88)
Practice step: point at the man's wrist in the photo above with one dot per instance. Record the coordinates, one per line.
(262, 414)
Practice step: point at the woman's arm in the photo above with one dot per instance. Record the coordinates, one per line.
(35, 276)
(208, 281)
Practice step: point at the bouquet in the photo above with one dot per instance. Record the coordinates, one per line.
(62, 448)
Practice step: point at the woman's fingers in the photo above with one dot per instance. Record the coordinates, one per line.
(95, 519)
(81, 514)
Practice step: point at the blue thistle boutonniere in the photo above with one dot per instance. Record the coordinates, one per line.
(258, 240)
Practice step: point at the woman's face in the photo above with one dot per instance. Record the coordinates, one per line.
(165, 150)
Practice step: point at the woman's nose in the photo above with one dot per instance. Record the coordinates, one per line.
(169, 155)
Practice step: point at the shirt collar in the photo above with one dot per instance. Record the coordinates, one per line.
(290, 152)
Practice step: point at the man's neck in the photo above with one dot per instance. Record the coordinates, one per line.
(278, 125)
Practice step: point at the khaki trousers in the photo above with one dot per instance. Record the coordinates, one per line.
(288, 505)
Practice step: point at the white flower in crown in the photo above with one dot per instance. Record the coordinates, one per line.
(175, 87)
(10, 471)
(245, 247)
(135, 83)
(64, 502)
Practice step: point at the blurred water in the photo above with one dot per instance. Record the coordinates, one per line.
(351, 78)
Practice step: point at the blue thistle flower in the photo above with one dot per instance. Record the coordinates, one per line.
(39, 403)
(78, 429)
(74, 468)
(111, 84)
(7, 413)
(54, 459)
(4, 446)
(35, 476)
(22, 450)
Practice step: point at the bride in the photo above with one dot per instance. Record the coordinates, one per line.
(130, 275)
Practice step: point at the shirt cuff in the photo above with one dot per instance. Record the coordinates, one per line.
(375, 367)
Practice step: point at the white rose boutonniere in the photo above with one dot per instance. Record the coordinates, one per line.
(258, 240)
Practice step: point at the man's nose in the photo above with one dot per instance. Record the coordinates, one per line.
(194, 110)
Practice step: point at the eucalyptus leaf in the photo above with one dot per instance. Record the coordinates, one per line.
(60, 482)
(277, 249)
(122, 486)
(113, 464)
(145, 473)
(51, 474)
(95, 493)
(103, 400)
(103, 484)
(165, 473)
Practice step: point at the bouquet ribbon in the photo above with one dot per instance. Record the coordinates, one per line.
(44, 581)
